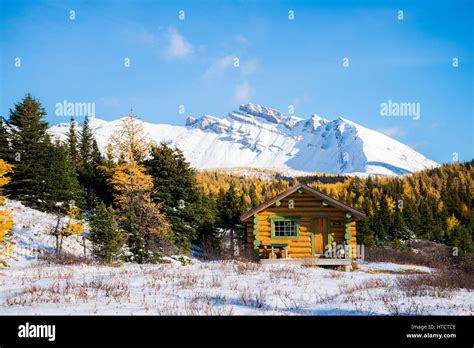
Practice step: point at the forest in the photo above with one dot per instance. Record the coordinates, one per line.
(142, 201)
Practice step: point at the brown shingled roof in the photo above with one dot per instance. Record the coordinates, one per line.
(282, 195)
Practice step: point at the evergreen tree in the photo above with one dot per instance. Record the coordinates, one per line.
(253, 197)
(106, 236)
(30, 144)
(72, 143)
(207, 229)
(59, 182)
(90, 177)
(136, 238)
(5, 149)
(175, 189)
(230, 208)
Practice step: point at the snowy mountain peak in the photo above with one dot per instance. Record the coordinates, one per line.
(270, 115)
(260, 137)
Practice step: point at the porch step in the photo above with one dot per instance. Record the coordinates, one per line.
(306, 261)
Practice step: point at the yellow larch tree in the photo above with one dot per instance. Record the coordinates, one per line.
(132, 189)
(73, 227)
(6, 218)
(130, 141)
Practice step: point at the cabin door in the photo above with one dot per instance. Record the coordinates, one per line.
(320, 237)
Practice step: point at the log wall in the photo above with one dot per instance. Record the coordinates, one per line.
(306, 206)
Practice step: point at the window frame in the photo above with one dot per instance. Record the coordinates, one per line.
(295, 219)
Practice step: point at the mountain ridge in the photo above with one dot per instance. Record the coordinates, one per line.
(261, 137)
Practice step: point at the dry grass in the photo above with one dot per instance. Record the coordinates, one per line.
(69, 292)
(65, 259)
(397, 305)
(255, 299)
(246, 267)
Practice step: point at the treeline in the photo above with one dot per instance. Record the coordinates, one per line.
(433, 204)
(143, 200)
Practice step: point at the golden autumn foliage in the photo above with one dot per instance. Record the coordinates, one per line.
(130, 184)
(5, 170)
(6, 220)
(452, 223)
(132, 190)
(73, 227)
(129, 140)
(132, 187)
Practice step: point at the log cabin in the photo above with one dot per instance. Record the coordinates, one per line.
(302, 224)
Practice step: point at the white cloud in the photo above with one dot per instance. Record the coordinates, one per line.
(242, 93)
(178, 46)
(241, 39)
(218, 68)
(249, 67)
(109, 101)
(392, 131)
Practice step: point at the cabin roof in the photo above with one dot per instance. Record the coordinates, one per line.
(288, 192)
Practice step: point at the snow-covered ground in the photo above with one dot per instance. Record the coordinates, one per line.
(29, 286)
(216, 288)
(32, 235)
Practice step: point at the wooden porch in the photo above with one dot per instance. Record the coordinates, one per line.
(313, 261)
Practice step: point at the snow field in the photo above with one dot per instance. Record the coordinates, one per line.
(218, 288)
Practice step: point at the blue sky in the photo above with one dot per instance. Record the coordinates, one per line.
(282, 62)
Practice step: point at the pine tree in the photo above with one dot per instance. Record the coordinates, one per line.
(5, 149)
(29, 143)
(253, 196)
(90, 177)
(176, 190)
(230, 208)
(59, 182)
(72, 143)
(106, 236)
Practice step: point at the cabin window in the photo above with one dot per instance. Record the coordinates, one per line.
(285, 227)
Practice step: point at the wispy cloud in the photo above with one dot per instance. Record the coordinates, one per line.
(242, 93)
(178, 46)
(222, 65)
(392, 131)
(219, 67)
(241, 39)
(249, 67)
(109, 101)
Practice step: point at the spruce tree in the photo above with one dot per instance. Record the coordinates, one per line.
(29, 144)
(136, 238)
(72, 143)
(5, 149)
(176, 190)
(230, 208)
(106, 236)
(60, 180)
(92, 182)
